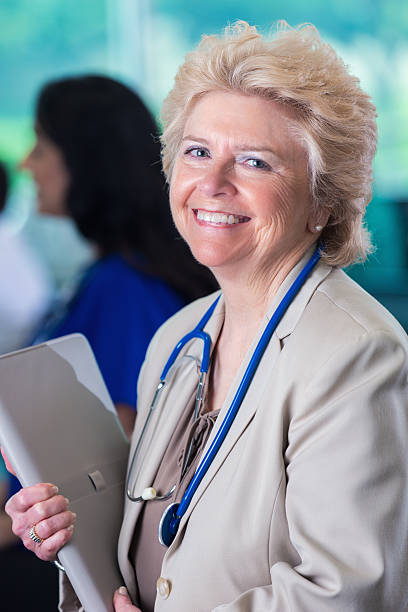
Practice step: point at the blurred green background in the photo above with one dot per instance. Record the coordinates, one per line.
(143, 41)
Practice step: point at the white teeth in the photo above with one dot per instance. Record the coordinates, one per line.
(217, 217)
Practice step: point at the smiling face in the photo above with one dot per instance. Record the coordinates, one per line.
(50, 174)
(239, 190)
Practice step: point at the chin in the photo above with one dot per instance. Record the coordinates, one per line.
(209, 256)
(43, 207)
(49, 210)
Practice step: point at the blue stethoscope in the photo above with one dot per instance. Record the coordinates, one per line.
(173, 514)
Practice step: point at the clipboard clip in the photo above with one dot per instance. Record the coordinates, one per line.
(97, 480)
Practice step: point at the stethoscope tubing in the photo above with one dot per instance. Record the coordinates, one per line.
(197, 332)
(173, 514)
(244, 384)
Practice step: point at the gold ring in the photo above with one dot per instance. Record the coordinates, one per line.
(34, 535)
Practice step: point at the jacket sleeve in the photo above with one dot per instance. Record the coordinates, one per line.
(68, 601)
(346, 488)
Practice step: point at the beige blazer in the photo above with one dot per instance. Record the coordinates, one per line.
(305, 507)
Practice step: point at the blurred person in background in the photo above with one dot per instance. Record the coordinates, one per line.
(97, 159)
(25, 287)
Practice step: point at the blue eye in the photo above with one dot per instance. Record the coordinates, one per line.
(196, 152)
(258, 163)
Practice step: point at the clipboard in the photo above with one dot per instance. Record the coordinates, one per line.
(58, 424)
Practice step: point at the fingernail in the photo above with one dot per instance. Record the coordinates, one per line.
(123, 590)
(67, 500)
(74, 515)
(70, 528)
(54, 490)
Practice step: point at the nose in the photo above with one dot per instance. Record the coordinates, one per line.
(218, 181)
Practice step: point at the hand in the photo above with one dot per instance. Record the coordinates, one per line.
(122, 603)
(41, 506)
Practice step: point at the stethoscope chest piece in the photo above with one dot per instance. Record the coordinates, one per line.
(168, 525)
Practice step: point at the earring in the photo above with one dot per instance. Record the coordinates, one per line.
(318, 228)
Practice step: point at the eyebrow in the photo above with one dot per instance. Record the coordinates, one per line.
(241, 147)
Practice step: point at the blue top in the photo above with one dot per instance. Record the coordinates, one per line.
(118, 308)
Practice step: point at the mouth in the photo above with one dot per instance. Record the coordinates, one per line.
(219, 218)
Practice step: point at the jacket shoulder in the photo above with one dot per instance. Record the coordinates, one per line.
(348, 304)
(341, 321)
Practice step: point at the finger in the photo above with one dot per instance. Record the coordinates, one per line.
(57, 522)
(27, 497)
(121, 601)
(42, 511)
(46, 509)
(7, 462)
(23, 521)
(49, 548)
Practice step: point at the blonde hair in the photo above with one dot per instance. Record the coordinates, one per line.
(335, 119)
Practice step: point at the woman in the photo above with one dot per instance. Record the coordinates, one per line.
(268, 148)
(96, 160)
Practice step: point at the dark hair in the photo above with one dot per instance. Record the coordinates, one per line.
(3, 186)
(117, 195)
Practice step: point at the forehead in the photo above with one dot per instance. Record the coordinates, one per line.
(244, 119)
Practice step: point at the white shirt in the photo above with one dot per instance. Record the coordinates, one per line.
(25, 290)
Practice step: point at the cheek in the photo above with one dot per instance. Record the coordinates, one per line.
(276, 200)
(54, 185)
(284, 211)
(173, 197)
(290, 200)
(176, 206)
(61, 186)
(52, 176)
(173, 189)
(38, 172)
(179, 191)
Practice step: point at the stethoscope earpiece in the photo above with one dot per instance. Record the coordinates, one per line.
(148, 494)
